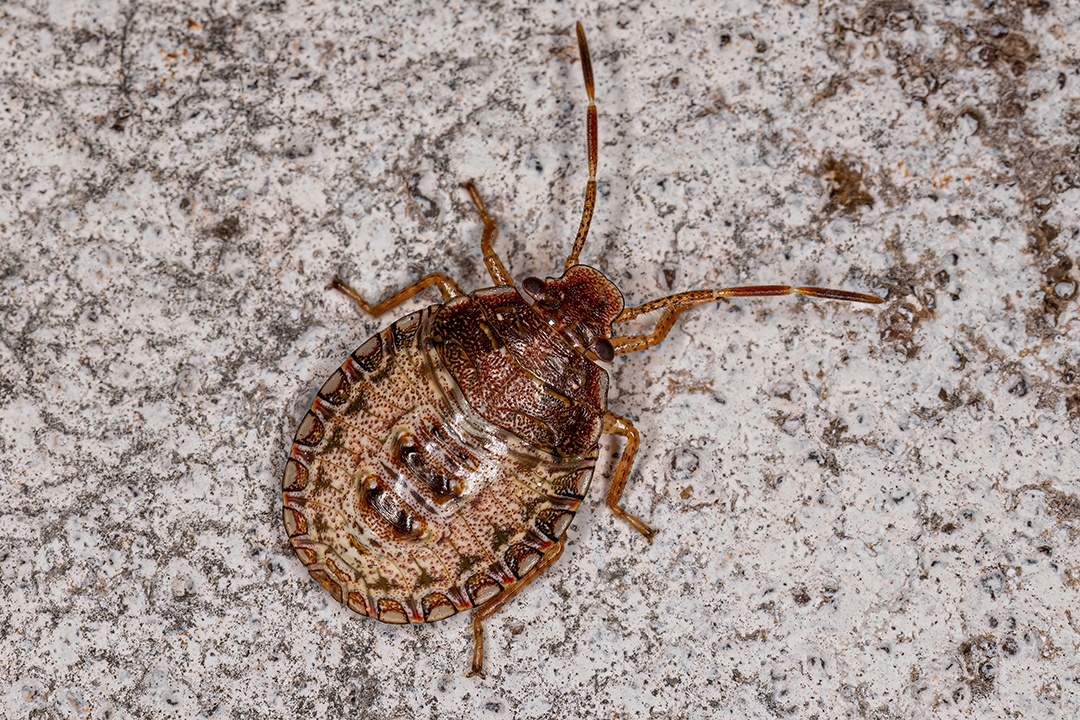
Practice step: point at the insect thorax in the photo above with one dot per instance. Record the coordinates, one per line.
(518, 373)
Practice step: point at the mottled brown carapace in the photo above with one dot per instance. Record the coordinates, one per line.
(440, 466)
(527, 369)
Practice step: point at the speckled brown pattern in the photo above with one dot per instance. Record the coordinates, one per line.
(425, 479)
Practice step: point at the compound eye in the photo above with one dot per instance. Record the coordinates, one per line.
(534, 286)
(604, 350)
(545, 296)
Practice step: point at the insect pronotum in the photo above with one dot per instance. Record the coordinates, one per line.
(440, 466)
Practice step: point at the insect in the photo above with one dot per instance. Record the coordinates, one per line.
(440, 466)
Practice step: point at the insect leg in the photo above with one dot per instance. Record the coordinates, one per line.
(591, 143)
(618, 425)
(674, 305)
(448, 287)
(495, 266)
(496, 603)
(632, 343)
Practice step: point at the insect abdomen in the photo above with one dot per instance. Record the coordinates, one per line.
(404, 502)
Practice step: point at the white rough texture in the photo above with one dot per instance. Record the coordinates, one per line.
(864, 512)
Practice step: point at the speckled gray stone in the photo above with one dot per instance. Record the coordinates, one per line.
(864, 512)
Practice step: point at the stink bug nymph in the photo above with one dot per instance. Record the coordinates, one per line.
(439, 467)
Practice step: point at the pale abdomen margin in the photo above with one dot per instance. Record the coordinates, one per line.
(404, 503)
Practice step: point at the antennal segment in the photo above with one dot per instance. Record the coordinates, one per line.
(674, 305)
(590, 187)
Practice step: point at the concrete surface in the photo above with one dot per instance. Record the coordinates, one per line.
(864, 512)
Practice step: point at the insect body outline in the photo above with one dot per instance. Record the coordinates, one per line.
(439, 467)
